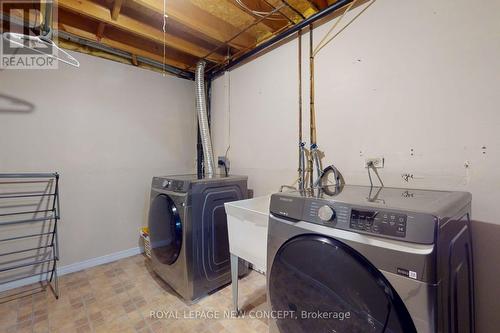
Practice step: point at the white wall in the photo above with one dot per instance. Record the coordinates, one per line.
(107, 128)
(421, 75)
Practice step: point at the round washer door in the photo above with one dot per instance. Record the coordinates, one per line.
(165, 229)
(320, 284)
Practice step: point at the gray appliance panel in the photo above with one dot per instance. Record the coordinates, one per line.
(438, 203)
(412, 227)
(184, 183)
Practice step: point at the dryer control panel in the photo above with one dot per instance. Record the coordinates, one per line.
(379, 222)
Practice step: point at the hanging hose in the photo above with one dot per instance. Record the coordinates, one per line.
(201, 110)
(339, 179)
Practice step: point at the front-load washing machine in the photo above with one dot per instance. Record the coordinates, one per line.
(363, 259)
(188, 231)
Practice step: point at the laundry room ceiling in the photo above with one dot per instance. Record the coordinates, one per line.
(218, 31)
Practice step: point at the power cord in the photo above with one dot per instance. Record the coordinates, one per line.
(369, 166)
(223, 163)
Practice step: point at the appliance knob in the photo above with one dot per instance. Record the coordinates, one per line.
(326, 213)
(166, 183)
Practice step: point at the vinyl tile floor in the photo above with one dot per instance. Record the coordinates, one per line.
(122, 296)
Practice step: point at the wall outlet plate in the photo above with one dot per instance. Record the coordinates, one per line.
(222, 160)
(378, 162)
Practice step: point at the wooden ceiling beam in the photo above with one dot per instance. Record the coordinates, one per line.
(321, 4)
(134, 60)
(195, 18)
(100, 30)
(117, 7)
(121, 46)
(102, 14)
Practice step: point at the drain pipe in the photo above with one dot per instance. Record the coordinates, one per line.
(201, 110)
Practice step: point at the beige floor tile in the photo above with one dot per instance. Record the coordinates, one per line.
(120, 296)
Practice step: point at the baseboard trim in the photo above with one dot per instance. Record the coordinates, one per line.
(76, 267)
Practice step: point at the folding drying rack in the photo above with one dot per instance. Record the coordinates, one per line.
(46, 267)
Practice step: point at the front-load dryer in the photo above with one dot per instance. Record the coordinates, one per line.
(188, 231)
(367, 259)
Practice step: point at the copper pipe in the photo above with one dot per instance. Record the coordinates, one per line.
(300, 85)
(242, 31)
(302, 153)
(312, 117)
(311, 97)
(280, 36)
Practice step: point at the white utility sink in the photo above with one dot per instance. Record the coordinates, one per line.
(247, 227)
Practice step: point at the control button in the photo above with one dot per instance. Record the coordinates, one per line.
(166, 183)
(326, 213)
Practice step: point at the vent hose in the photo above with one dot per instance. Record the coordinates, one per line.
(201, 110)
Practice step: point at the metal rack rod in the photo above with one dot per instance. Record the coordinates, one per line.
(26, 236)
(27, 196)
(50, 247)
(26, 250)
(28, 212)
(25, 277)
(28, 175)
(34, 263)
(38, 219)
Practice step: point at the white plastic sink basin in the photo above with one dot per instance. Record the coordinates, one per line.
(247, 227)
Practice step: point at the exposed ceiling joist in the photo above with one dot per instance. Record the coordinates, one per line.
(321, 4)
(224, 32)
(100, 13)
(121, 46)
(100, 30)
(117, 7)
(197, 19)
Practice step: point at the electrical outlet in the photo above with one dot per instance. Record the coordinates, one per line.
(378, 162)
(221, 160)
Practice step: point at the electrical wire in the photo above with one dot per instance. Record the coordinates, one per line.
(228, 73)
(322, 43)
(165, 16)
(272, 16)
(369, 166)
(328, 37)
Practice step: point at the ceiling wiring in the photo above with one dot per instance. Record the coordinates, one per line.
(165, 16)
(270, 15)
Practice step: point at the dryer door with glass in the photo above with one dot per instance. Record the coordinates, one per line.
(326, 286)
(165, 229)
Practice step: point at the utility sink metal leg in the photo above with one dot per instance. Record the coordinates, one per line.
(234, 284)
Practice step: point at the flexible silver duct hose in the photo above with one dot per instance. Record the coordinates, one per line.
(201, 110)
